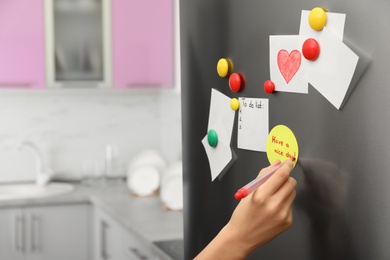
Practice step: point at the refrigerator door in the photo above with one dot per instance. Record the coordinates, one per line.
(342, 206)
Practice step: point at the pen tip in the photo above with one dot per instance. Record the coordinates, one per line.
(239, 195)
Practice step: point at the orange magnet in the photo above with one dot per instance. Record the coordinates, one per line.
(311, 49)
(317, 18)
(224, 67)
(236, 82)
(269, 86)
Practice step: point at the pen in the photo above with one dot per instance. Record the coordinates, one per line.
(253, 185)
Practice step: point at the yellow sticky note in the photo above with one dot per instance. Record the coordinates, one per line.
(281, 144)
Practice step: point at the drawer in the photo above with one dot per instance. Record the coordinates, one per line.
(137, 249)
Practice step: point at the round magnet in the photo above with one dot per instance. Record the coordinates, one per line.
(212, 138)
(269, 86)
(236, 82)
(317, 18)
(235, 104)
(224, 67)
(311, 49)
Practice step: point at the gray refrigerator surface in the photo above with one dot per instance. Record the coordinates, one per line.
(342, 209)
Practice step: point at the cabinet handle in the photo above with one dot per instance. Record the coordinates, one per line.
(17, 225)
(15, 84)
(22, 233)
(34, 234)
(137, 253)
(144, 84)
(103, 240)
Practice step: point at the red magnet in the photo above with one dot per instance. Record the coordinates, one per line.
(311, 49)
(269, 86)
(236, 82)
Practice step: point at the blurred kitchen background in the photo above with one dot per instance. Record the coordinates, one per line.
(90, 110)
(74, 120)
(71, 128)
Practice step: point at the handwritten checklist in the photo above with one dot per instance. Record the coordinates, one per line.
(253, 124)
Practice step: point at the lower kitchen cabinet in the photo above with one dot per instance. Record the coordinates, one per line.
(108, 238)
(135, 249)
(45, 232)
(115, 242)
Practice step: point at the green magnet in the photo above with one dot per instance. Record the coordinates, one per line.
(212, 138)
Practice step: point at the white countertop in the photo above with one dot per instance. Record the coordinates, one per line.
(144, 216)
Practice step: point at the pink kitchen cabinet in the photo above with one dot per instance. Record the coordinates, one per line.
(22, 53)
(142, 43)
(78, 43)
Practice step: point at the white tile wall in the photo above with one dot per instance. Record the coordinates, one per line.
(74, 127)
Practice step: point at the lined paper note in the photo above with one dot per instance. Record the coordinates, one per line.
(253, 123)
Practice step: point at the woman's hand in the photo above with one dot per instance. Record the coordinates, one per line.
(257, 219)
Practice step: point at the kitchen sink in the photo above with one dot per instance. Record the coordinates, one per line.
(31, 190)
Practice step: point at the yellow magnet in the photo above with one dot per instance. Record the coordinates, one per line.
(235, 104)
(317, 18)
(224, 67)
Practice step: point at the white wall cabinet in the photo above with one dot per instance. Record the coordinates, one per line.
(45, 233)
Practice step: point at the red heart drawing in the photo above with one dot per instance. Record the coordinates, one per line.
(289, 63)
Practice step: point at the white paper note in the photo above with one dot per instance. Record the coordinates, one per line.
(287, 64)
(220, 110)
(219, 156)
(334, 22)
(332, 72)
(253, 124)
(221, 120)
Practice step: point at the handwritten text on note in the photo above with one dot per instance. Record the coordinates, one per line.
(253, 123)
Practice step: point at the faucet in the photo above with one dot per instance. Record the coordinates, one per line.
(42, 175)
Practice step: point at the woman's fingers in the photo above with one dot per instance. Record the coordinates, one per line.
(286, 189)
(277, 179)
